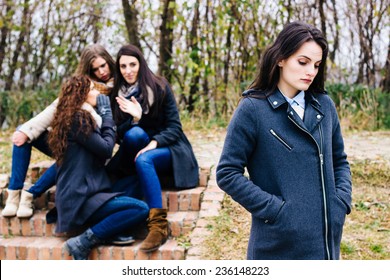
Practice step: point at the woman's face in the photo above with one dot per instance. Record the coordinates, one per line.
(100, 69)
(129, 67)
(299, 70)
(92, 95)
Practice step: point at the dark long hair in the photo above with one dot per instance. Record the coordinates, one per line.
(88, 55)
(146, 78)
(289, 40)
(74, 93)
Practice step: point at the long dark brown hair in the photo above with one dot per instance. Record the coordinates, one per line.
(87, 57)
(289, 40)
(146, 78)
(74, 93)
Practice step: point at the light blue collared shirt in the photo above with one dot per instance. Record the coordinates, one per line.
(298, 99)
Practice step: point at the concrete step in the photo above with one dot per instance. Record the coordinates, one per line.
(52, 248)
(180, 223)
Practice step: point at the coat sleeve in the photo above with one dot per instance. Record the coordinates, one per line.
(342, 172)
(172, 128)
(240, 142)
(100, 142)
(38, 124)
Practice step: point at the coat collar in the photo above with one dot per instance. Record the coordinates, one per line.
(313, 114)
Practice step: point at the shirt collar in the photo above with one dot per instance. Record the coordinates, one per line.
(299, 99)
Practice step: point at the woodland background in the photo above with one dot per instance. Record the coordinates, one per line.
(208, 50)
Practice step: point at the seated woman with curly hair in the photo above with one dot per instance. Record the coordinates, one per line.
(81, 141)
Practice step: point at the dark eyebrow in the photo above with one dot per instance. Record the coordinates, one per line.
(101, 65)
(304, 56)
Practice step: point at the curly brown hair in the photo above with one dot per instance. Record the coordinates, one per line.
(69, 114)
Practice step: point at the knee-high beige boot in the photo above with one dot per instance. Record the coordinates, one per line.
(25, 209)
(11, 204)
(158, 230)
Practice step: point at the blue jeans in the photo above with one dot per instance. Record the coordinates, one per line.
(118, 215)
(148, 166)
(21, 156)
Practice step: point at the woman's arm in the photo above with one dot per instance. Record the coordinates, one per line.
(38, 124)
(102, 141)
(342, 172)
(240, 142)
(172, 127)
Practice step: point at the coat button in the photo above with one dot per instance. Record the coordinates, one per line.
(318, 117)
(275, 102)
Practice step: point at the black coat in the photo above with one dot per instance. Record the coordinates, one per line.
(166, 129)
(82, 183)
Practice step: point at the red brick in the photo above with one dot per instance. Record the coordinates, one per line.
(4, 226)
(22, 252)
(184, 204)
(117, 253)
(179, 254)
(58, 252)
(128, 253)
(94, 255)
(32, 253)
(104, 252)
(15, 226)
(11, 252)
(44, 253)
(2, 250)
(26, 227)
(156, 255)
(141, 255)
(173, 201)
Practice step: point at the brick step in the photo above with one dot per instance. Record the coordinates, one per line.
(180, 223)
(174, 200)
(52, 248)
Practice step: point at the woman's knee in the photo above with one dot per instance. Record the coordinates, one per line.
(134, 136)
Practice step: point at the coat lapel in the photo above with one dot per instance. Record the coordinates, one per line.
(313, 114)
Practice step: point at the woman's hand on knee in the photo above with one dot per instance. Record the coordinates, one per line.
(152, 145)
(19, 138)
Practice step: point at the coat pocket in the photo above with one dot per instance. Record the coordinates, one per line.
(280, 139)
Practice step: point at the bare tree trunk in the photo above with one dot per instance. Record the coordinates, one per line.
(322, 16)
(95, 18)
(130, 14)
(5, 30)
(18, 48)
(166, 39)
(332, 54)
(226, 69)
(194, 85)
(386, 80)
(43, 51)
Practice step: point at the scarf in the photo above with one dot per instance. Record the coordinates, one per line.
(88, 107)
(104, 88)
(133, 90)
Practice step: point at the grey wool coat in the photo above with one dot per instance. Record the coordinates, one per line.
(299, 186)
(82, 183)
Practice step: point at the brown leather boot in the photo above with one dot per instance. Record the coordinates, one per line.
(158, 230)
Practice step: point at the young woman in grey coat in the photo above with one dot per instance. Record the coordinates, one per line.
(286, 133)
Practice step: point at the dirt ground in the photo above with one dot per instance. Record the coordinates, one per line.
(368, 145)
